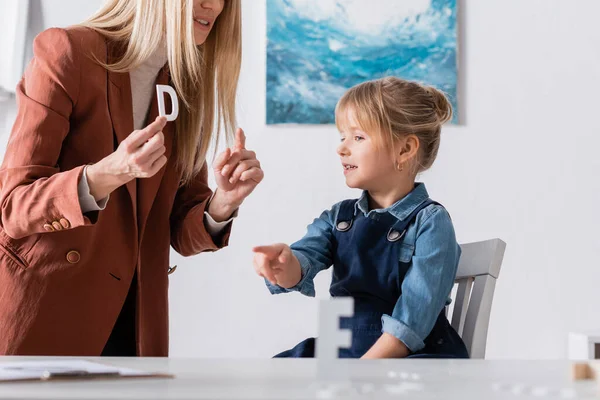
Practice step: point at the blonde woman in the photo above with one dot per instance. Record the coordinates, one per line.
(95, 187)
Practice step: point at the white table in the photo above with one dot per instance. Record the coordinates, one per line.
(296, 379)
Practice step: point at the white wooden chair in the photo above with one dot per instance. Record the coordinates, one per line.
(478, 270)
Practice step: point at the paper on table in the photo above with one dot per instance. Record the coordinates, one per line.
(35, 370)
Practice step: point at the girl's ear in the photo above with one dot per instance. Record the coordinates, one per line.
(408, 150)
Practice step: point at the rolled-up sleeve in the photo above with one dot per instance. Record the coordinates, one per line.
(428, 281)
(314, 252)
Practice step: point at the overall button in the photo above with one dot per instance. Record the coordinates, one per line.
(394, 235)
(48, 228)
(343, 226)
(73, 257)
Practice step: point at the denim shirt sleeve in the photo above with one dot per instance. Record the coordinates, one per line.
(428, 281)
(313, 251)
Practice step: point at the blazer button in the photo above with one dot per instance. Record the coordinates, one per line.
(48, 228)
(73, 257)
(57, 226)
(172, 269)
(65, 223)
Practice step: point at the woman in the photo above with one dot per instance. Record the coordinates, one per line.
(95, 187)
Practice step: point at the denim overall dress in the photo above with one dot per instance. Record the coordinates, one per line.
(366, 267)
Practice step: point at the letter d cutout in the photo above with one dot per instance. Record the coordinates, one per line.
(160, 93)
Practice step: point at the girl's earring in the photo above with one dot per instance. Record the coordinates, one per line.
(399, 167)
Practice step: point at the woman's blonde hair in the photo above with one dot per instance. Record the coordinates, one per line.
(390, 108)
(205, 77)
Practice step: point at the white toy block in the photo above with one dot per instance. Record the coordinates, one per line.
(584, 346)
(331, 337)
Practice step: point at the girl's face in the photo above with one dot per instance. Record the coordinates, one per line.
(205, 15)
(366, 166)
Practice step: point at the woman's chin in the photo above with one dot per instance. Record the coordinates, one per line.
(199, 38)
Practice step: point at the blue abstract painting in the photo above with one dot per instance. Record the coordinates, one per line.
(316, 49)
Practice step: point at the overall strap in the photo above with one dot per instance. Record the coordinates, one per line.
(397, 231)
(345, 215)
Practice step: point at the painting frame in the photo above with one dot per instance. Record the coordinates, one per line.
(285, 42)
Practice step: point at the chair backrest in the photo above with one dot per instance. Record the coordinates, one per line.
(478, 270)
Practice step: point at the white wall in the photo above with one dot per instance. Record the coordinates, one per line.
(523, 168)
(13, 23)
(42, 14)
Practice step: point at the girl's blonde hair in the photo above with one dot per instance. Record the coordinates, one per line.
(390, 108)
(205, 77)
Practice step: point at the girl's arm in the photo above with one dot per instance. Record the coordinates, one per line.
(387, 346)
(313, 253)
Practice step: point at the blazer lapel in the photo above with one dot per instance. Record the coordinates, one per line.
(148, 187)
(121, 110)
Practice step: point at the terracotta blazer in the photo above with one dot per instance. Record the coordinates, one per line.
(64, 275)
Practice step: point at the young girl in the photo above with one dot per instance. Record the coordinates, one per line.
(393, 249)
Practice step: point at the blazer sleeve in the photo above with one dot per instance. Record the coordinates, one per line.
(189, 235)
(34, 192)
